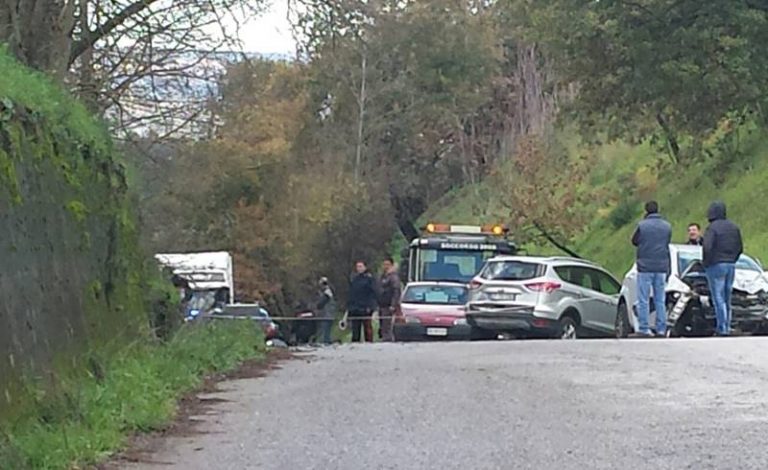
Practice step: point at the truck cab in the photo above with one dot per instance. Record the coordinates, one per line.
(453, 253)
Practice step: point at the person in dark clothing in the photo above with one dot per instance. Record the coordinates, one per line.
(389, 298)
(326, 309)
(694, 234)
(652, 237)
(362, 302)
(721, 249)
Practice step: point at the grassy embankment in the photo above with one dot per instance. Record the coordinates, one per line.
(67, 404)
(88, 415)
(629, 175)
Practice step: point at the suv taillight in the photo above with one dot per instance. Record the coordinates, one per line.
(475, 284)
(546, 287)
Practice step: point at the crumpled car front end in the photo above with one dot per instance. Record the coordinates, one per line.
(690, 310)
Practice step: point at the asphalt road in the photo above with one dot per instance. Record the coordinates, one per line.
(607, 404)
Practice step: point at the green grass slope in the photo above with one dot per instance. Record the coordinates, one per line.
(626, 175)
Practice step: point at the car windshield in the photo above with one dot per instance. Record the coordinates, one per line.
(440, 295)
(512, 270)
(686, 258)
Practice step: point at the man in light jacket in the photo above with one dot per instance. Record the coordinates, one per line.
(652, 237)
(722, 247)
(326, 309)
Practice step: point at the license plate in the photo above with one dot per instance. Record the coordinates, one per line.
(437, 331)
(503, 296)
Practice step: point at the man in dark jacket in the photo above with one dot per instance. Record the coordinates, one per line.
(362, 302)
(652, 237)
(722, 248)
(389, 298)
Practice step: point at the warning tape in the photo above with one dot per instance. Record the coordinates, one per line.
(250, 317)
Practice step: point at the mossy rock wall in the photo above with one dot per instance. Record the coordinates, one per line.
(70, 269)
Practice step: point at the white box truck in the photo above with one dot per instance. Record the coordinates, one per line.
(204, 272)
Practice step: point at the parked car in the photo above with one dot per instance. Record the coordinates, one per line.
(432, 310)
(689, 307)
(254, 312)
(543, 297)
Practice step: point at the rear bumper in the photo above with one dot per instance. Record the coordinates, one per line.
(417, 332)
(516, 319)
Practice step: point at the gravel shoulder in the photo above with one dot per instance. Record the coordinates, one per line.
(600, 404)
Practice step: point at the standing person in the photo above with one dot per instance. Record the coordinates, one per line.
(362, 302)
(389, 297)
(694, 234)
(326, 309)
(652, 237)
(722, 248)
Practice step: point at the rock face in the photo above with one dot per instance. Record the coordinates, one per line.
(70, 270)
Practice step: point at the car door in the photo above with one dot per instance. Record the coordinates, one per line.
(580, 290)
(608, 297)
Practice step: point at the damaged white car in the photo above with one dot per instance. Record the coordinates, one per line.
(690, 311)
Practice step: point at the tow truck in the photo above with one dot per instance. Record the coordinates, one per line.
(453, 253)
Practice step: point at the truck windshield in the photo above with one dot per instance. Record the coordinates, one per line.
(451, 265)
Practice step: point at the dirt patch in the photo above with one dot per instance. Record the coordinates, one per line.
(141, 447)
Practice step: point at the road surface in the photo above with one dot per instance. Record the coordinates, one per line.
(662, 404)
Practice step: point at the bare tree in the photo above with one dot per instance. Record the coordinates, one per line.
(145, 64)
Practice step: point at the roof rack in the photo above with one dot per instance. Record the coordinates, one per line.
(572, 259)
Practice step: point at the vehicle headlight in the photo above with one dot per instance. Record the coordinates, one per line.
(460, 321)
(412, 320)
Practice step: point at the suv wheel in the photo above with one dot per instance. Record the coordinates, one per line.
(568, 328)
(621, 328)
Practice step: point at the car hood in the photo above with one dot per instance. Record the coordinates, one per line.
(745, 280)
(432, 310)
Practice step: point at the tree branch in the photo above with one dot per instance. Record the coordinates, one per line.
(91, 37)
(544, 233)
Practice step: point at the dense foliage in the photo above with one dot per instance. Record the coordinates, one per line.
(397, 104)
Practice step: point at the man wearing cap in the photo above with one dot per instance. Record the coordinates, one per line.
(326, 309)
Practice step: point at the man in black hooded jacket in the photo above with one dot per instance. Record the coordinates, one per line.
(722, 247)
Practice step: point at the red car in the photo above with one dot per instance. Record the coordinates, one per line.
(432, 311)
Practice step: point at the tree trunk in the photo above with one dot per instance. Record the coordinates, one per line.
(403, 215)
(38, 32)
(672, 145)
(360, 116)
(87, 88)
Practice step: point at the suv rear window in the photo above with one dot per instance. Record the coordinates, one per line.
(512, 270)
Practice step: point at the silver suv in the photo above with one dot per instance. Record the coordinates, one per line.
(538, 296)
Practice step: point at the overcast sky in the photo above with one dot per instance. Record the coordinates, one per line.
(270, 33)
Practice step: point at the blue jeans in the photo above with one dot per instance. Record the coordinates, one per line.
(326, 325)
(720, 277)
(645, 283)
